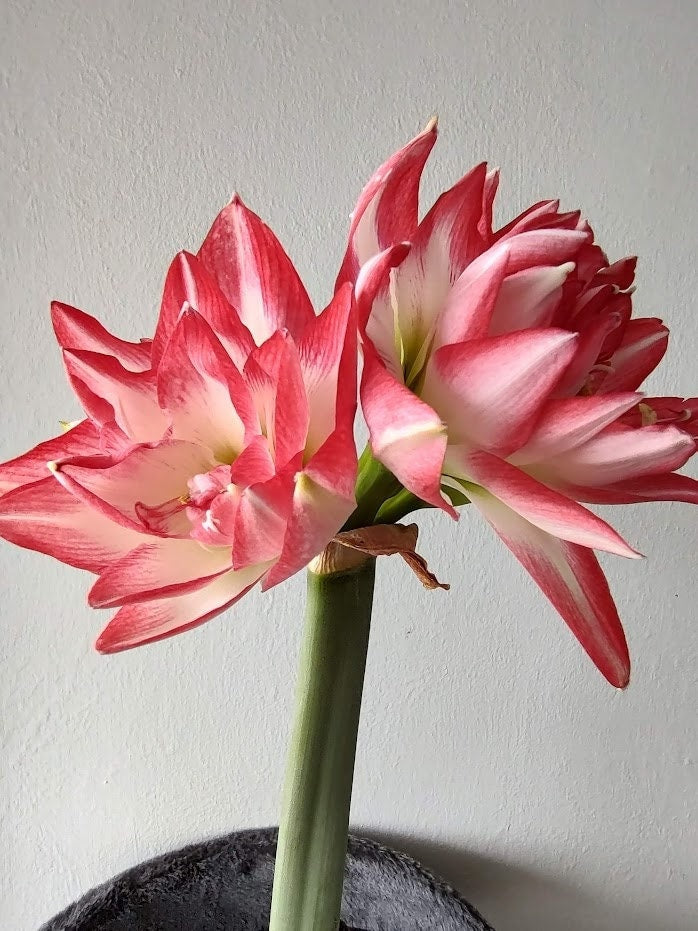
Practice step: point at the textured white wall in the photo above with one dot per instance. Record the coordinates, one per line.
(489, 746)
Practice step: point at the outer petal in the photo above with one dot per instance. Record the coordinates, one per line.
(549, 510)
(570, 576)
(671, 487)
(565, 423)
(136, 624)
(147, 475)
(188, 282)
(43, 516)
(156, 570)
(206, 397)
(387, 209)
(619, 453)
(108, 391)
(490, 391)
(81, 440)
(254, 273)
(75, 329)
(407, 435)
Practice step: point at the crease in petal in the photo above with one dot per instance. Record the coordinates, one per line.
(75, 329)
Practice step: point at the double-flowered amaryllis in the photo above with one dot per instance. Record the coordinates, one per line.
(503, 365)
(219, 454)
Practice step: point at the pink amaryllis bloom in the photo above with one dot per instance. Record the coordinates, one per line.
(505, 364)
(219, 454)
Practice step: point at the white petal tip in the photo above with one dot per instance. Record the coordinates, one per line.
(432, 125)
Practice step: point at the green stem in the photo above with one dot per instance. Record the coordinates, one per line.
(315, 820)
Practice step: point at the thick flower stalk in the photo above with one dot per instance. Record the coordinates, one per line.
(218, 455)
(502, 366)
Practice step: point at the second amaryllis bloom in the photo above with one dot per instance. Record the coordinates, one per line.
(219, 454)
(504, 365)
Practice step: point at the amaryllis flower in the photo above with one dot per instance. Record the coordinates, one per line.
(219, 454)
(504, 365)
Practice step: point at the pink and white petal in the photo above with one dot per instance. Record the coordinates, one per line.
(564, 423)
(540, 505)
(207, 399)
(489, 193)
(407, 435)
(618, 453)
(188, 282)
(528, 299)
(452, 226)
(664, 487)
(387, 211)
(147, 475)
(326, 351)
(44, 517)
(254, 464)
(571, 578)
(254, 273)
(158, 569)
(468, 307)
(536, 216)
(75, 329)
(147, 622)
(543, 247)
(128, 397)
(81, 440)
(491, 391)
(621, 274)
(261, 519)
(642, 349)
(373, 283)
(591, 341)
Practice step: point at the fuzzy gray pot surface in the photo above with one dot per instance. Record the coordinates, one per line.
(225, 885)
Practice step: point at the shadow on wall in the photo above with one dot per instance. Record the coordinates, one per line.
(513, 897)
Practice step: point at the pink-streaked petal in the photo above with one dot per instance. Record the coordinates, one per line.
(642, 349)
(468, 307)
(189, 283)
(491, 391)
(255, 274)
(541, 506)
(671, 487)
(254, 464)
(275, 377)
(618, 453)
(81, 440)
(387, 209)
(407, 435)
(536, 216)
(543, 247)
(158, 569)
(528, 299)
(75, 329)
(138, 624)
(206, 397)
(373, 281)
(44, 517)
(327, 355)
(489, 193)
(115, 393)
(261, 519)
(620, 274)
(591, 340)
(571, 578)
(147, 475)
(568, 422)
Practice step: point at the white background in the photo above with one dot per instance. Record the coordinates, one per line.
(489, 746)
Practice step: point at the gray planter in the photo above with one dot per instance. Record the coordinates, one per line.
(225, 885)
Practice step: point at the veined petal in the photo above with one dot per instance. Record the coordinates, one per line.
(491, 391)
(541, 506)
(254, 464)
(158, 569)
(327, 353)
(642, 349)
(469, 305)
(81, 440)
(207, 399)
(387, 209)
(254, 273)
(44, 517)
(407, 435)
(189, 283)
(618, 453)
(147, 475)
(115, 393)
(571, 578)
(147, 622)
(75, 329)
(528, 299)
(568, 422)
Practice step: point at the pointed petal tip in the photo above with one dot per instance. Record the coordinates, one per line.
(432, 125)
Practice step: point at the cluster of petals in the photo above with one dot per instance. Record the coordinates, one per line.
(218, 454)
(505, 364)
